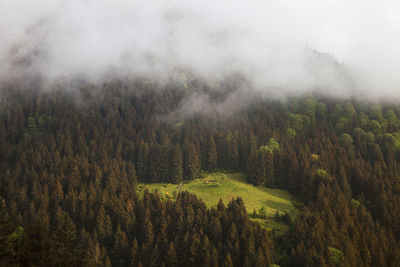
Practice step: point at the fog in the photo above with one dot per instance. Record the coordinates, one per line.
(341, 48)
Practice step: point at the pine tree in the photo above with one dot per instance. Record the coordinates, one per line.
(260, 262)
(120, 248)
(269, 170)
(176, 168)
(211, 154)
(192, 166)
(89, 250)
(261, 167)
(65, 245)
(37, 248)
(133, 257)
(142, 162)
(164, 164)
(6, 229)
(107, 262)
(171, 259)
(154, 160)
(252, 166)
(131, 172)
(227, 261)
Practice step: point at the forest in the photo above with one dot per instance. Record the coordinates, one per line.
(72, 155)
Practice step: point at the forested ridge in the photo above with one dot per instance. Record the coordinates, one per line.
(70, 159)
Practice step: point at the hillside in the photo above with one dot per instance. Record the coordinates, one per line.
(228, 186)
(71, 161)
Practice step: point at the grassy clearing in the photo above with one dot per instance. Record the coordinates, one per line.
(226, 186)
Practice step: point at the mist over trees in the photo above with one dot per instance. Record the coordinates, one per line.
(98, 96)
(283, 47)
(70, 162)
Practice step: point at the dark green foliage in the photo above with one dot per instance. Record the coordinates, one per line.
(176, 169)
(192, 163)
(346, 140)
(7, 242)
(212, 156)
(252, 167)
(69, 163)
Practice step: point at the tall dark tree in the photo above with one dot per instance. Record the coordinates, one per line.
(142, 162)
(252, 166)
(192, 162)
(211, 153)
(7, 244)
(176, 166)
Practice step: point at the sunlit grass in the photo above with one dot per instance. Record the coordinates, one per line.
(227, 186)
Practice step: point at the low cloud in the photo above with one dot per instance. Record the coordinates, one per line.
(342, 48)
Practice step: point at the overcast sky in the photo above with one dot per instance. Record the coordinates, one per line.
(270, 42)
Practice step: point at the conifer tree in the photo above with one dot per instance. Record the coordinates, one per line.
(227, 261)
(120, 248)
(176, 168)
(192, 166)
(142, 162)
(133, 257)
(211, 154)
(252, 166)
(6, 229)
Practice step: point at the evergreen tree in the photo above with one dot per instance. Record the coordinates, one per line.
(176, 169)
(120, 248)
(142, 162)
(228, 261)
(7, 248)
(211, 155)
(134, 257)
(192, 166)
(252, 166)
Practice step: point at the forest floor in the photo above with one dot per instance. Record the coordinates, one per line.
(215, 186)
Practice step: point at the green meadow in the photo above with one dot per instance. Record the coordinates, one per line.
(226, 186)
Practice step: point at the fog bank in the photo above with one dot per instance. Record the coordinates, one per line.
(342, 48)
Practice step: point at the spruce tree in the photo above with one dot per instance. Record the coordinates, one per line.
(252, 166)
(192, 162)
(211, 154)
(142, 162)
(176, 168)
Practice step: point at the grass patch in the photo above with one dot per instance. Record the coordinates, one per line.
(227, 186)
